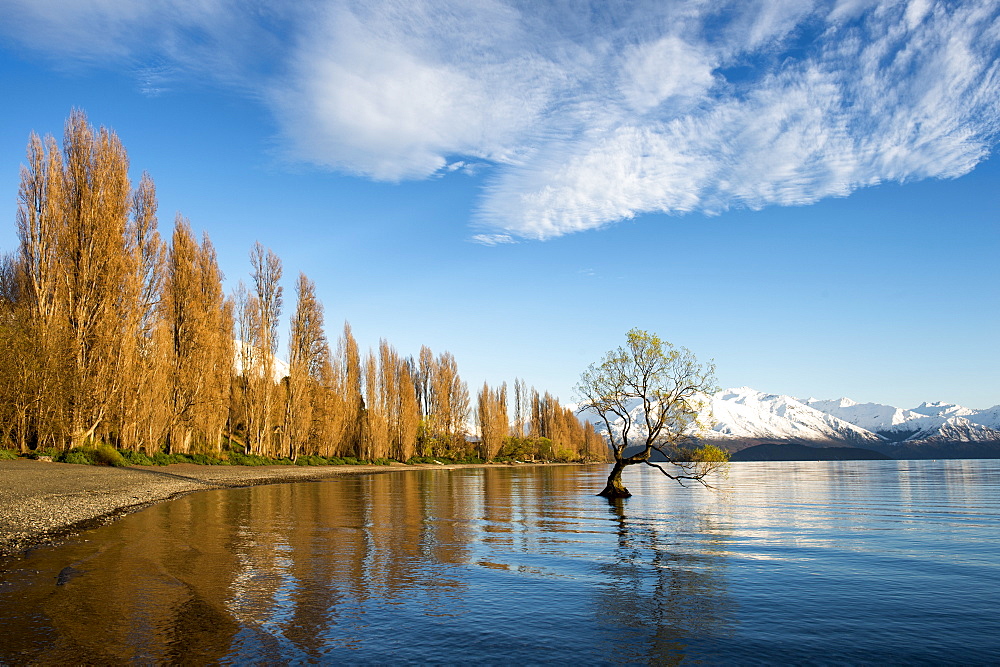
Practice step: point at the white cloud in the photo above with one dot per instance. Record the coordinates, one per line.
(588, 117)
(663, 70)
(868, 102)
(394, 93)
(492, 239)
(916, 10)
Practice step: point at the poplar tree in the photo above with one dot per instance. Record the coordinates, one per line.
(536, 420)
(398, 399)
(308, 351)
(351, 387)
(88, 260)
(199, 353)
(39, 222)
(594, 446)
(448, 405)
(408, 414)
(242, 391)
(258, 320)
(17, 367)
(219, 354)
(491, 419)
(140, 410)
(329, 411)
(95, 268)
(521, 409)
(181, 312)
(424, 378)
(455, 394)
(376, 418)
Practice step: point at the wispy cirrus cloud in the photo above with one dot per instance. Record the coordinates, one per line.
(887, 95)
(492, 239)
(589, 114)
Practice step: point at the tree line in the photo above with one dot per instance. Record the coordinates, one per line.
(112, 334)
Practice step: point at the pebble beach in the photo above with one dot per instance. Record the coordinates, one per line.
(41, 502)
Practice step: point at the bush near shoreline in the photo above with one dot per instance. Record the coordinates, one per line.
(105, 455)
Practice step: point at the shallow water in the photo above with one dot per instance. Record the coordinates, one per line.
(825, 562)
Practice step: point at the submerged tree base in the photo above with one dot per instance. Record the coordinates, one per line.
(611, 491)
(614, 487)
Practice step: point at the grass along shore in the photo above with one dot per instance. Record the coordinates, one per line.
(43, 501)
(105, 455)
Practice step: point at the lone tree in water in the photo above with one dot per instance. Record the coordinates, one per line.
(647, 394)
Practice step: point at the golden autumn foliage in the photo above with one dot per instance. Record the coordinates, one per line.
(110, 335)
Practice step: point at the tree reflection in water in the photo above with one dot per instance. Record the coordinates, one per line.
(662, 600)
(494, 565)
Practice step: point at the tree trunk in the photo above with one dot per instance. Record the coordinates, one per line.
(615, 488)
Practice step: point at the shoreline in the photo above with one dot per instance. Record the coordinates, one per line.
(42, 502)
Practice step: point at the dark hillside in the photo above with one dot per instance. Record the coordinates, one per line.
(797, 452)
(941, 450)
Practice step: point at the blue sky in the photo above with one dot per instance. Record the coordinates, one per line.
(803, 191)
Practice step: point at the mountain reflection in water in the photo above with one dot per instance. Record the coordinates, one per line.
(828, 561)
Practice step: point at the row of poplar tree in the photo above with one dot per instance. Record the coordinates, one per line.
(110, 334)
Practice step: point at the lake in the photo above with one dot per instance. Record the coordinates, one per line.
(816, 562)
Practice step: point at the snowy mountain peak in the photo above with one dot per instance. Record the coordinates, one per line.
(744, 412)
(874, 417)
(737, 393)
(940, 409)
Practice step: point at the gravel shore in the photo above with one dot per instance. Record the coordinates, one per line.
(41, 501)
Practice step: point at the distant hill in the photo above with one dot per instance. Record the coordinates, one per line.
(796, 452)
(940, 450)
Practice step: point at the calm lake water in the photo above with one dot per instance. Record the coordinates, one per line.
(830, 562)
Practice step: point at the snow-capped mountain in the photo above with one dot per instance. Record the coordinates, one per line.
(885, 420)
(745, 413)
(990, 417)
(946, 410)
(934, 422)
(742, 415)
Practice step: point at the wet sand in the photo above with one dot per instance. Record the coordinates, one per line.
(41, 502)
